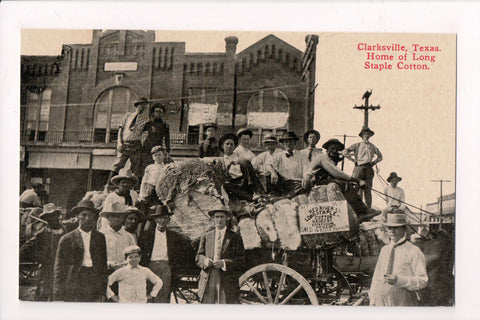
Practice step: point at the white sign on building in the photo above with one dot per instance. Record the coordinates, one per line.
(201, 113)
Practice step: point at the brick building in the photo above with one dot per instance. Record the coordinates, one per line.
(72, 105)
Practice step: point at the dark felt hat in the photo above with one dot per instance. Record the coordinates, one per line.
(370, 132)
(210, 125)
(289, 135)
(84, 205)
(330, 142)
(315, 132)
(226, 137)
(161, 210)
(393, 175)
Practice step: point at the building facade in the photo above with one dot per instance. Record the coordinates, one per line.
(72, 105)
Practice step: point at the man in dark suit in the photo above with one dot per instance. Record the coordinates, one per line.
(164, 251)
(220, 256)
(80, 272)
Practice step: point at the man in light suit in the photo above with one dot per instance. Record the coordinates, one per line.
(220, 256)
(80, 272)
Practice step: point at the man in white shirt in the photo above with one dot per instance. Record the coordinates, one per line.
(220, 255)
(395, 195)
(287, 170)
(116, 237)
(400, 269)
(310, 138)
(263, 163)
(243, 151)
(164, 251)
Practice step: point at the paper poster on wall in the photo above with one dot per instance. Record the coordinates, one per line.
(267, 120)
(200, 113)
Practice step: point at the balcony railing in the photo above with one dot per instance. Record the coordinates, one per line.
(101, 136)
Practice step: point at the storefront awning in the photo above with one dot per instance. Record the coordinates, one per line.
(54, 160)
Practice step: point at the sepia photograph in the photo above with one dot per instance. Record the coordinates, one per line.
(187, 166)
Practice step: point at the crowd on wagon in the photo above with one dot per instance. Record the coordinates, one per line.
(122, 249)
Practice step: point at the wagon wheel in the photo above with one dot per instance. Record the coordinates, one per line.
(273, 283)
(332, 288)
(29, 272)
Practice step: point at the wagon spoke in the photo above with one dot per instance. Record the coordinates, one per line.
(267, 286)
(294, 292)
(262, 299)
(279, 289)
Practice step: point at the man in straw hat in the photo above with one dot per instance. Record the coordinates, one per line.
(129, 145)
(44, 244)
(263, 162)
(366, 157)
(395, 195)
(123, 195)
(220, 256)
(400, 270)
(164, 251)
(287, 170)
(80, 272)
(209, 146)
(116, 237)
(310, 138)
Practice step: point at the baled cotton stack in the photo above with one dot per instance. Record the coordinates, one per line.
(265, 226)
(249, 234)
(285, 217)
(300, 199)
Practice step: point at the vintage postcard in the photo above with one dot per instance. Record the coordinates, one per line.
(189, 167)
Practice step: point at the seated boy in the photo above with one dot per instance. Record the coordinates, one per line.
(150, 178)
(132, 280)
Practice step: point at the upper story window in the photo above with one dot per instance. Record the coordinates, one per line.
(268, 100)
(110, 109)
(37, 114)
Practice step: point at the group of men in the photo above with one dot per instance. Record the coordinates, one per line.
(117, 250)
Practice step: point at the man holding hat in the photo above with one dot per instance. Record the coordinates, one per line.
(116, 237)
(163, 251)
(80, 272)
(158, 134)
(129, 145)
(400, 269)
(395, 195)
(209, 146)
(242, 151)
(366, 157)
(220, 256)
(310, 138)
(44, 244)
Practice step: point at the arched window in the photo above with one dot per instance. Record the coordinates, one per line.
(268, 109)
(110, 109)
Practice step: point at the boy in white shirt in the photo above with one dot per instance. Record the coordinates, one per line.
(132, 280)
(150, 178)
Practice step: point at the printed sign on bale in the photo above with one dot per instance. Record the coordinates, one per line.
(323, 217)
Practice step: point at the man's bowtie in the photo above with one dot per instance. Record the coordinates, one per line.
(289, 154)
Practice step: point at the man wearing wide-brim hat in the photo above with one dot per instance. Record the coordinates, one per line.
(395, 196)
(164, 251)
(209, 146)
(220, 255)
(365, 155)
(116, 237)
(310, 138)
(400, 269)
(129, 145)
(81, 260)
(287, 167)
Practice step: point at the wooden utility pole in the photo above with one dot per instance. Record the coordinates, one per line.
(441, 201)
(366, 107)
(345, 136)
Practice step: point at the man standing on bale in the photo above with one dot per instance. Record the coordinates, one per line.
(400, 270)
(129, 145)
(80, 272)
(311, 138)
(158, 135)
(366, 157)
(164, 251)
(220, 256)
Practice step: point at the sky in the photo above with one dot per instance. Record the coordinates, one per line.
(414, 128)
